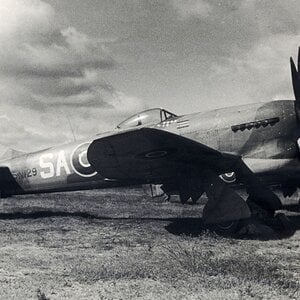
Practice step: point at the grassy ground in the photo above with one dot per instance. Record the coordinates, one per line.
(125, 245)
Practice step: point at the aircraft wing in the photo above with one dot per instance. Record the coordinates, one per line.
(153, 153)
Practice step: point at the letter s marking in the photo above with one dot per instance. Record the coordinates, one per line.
(49, 173)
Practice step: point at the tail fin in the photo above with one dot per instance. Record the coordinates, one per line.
(11, 153)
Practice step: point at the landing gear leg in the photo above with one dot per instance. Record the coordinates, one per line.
(225, 208)
(166, 197)
(184, 196)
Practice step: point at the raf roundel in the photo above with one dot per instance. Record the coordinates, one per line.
(80, 163)
(228, 177)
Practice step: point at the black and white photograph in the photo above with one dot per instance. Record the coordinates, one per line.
(150, 149)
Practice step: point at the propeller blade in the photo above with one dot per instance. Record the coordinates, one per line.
(295, 80)
(298, 59)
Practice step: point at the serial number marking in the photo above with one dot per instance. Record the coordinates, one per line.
(27, 173)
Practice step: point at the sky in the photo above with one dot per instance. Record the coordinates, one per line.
(93, 63)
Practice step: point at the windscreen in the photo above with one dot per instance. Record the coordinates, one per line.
(147, 117)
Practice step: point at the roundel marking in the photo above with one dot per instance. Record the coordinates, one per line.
(80, 163)
(228, 177)
(156, 154)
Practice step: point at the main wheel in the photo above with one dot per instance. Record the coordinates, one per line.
(227, 228)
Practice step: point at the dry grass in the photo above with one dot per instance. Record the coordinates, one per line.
(230, 269)
(116, 245)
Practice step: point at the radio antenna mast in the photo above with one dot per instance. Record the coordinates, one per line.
(72, 130)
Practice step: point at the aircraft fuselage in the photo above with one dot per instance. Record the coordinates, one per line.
(263, 134)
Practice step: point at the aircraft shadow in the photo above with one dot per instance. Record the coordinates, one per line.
(194, 227)
(190, 226)
(47, 214)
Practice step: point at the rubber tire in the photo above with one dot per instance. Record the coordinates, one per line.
(227, 228)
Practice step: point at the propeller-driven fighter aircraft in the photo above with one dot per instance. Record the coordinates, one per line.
(252, 146)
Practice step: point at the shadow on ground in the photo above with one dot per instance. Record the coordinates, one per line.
(193, 227)
(48, 213)
(251, 229)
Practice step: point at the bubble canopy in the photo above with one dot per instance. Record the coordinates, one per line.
(147, 117)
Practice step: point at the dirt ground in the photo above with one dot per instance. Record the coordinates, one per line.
(126, 245)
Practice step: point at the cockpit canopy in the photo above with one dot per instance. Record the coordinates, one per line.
(147, 117)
